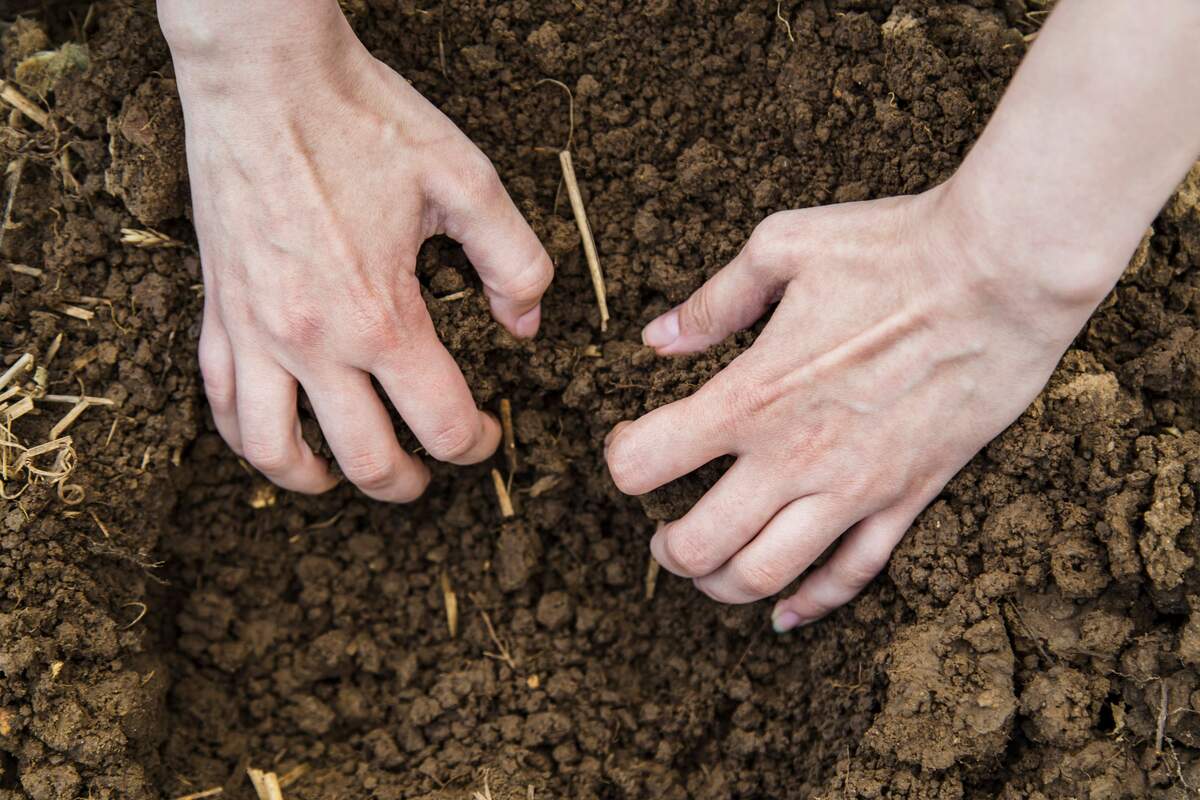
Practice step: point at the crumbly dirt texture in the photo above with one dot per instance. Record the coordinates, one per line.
(1037, 634)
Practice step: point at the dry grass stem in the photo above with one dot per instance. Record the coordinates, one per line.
(63, 461)
(510, 439)
(292, 775)
(78, 313)
(543, 485)
(506, 505)
(325, 523)
(459, 295)
(652, 577)
(502, 652)
(143, 608)
(570, 109)
(18, 409)
(53, 349)
(216, 791)
(22, 269)
(78, 398)
(15, 171)
(787, 26)
(69, 418)
(585, 232)
(451, 600)
(23, 364)
(70, 494)
(10, 95)
(486, 794)
(103, 528)
(1162, 717)
(266, 784)
(147, 238)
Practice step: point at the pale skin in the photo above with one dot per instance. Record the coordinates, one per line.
(907, 332)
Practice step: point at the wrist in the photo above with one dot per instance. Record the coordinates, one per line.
(223, 47)
(1031, 261)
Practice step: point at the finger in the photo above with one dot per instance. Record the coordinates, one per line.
(359, 432)
(220, 384)
(667, 443)
(788, 544)
(731, 300)
(728, 516)
(270, 428)
(426, 386)
(858, 559)
(511, 262)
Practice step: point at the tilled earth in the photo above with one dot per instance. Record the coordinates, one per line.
(1037, 634)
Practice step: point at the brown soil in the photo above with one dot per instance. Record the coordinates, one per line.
(1037, 634)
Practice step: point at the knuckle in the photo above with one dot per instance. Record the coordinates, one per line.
(374, 328)
(478, 177)
(857, 571)
(766, 244)
(453, 441)
(697, 315)
(623, 465)
(268, 457)
(749, 399)
(528, 283)
(760, 580)
(297, 325)
(369, 470)
(218, 383)
(688, 553)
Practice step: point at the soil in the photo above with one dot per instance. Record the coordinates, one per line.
(1037, 634)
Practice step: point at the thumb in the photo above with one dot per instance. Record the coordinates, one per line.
(729, 301)
(504, 250)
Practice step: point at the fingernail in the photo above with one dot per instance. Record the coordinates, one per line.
(662, 331)
(527, 323)
(613, 433)
(785, 621)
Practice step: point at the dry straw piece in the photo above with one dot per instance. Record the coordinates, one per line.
(266, 784)
(147, 239)
(23, 364)
(577, 208)
(10, 95)
(506, 504)
(451, 600)
(510, 439)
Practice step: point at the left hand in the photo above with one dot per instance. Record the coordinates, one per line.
(905, 339)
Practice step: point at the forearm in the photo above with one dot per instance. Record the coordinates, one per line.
(1097, 128)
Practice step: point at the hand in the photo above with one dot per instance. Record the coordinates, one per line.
(900, 346)
(315, 179)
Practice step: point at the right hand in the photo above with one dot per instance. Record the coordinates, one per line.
(316, 174)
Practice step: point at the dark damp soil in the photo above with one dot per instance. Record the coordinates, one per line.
(1036, 635)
